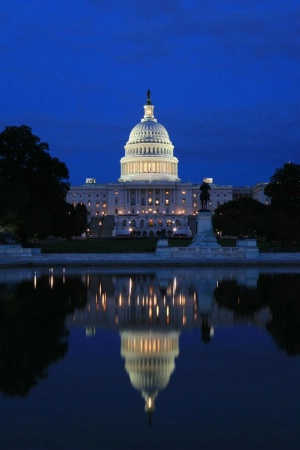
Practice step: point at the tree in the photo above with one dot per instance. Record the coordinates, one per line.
(76, 219)
(284, 192)
(33, 185)
(242, 216)
(284, 189)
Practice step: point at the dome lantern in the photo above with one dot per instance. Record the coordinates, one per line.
(148, 108)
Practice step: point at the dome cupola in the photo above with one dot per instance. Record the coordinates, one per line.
(149, 151)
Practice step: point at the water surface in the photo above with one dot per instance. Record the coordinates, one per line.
(145, 359)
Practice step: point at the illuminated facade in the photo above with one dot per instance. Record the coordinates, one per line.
(149, 199)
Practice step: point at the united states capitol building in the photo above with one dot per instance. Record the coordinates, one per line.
(149, 199)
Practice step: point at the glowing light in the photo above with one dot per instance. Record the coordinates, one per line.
(103, 298)
(130, 286)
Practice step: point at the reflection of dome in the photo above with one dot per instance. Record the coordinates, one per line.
(149, 360)
(149, 151)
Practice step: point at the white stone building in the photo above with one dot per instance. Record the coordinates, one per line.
(149, 198)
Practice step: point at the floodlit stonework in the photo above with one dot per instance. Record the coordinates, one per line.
(149, 199)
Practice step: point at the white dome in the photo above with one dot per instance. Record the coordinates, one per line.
(149, 131)
(149, 151)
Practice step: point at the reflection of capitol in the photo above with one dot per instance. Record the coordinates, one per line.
(149, 360)
(149, 309)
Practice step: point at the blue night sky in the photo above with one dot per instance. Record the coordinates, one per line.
(224, 77)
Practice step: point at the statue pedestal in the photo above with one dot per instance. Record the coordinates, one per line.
(204, 236)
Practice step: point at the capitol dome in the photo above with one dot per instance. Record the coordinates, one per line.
(149, 131)
(149, 151)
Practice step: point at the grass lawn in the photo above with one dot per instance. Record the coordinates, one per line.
(107, 245)
(137, 245)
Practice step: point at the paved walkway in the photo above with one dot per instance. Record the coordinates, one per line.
(144, 259)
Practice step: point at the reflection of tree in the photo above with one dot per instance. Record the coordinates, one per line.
(282, 294)
(32, 330)
(242, 300)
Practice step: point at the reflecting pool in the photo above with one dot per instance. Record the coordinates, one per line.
(149, 359)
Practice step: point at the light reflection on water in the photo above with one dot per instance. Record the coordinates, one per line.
(206, 351)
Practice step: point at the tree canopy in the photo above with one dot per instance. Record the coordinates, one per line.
(284, 189)
(284, 192)
(33, 185)
(244, 216)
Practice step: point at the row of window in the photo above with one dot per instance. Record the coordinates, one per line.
(156, 151)
(89, 195)
(151, 223)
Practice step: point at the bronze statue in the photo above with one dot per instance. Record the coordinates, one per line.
(148, 94)
(204, 196)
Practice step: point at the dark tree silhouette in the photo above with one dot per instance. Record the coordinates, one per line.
(284, 192)
(33, 185)
(243, 216)
(284, 189)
